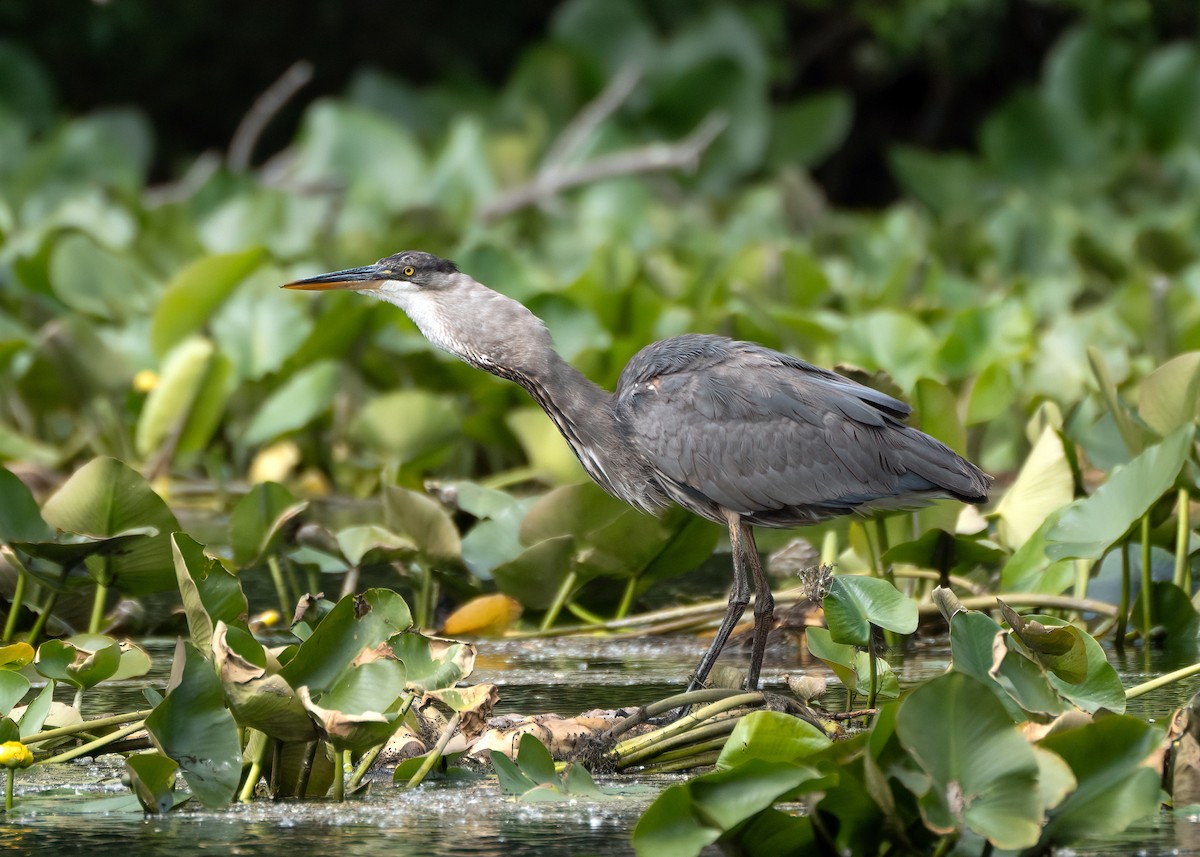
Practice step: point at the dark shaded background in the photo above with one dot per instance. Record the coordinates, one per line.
(917, 76)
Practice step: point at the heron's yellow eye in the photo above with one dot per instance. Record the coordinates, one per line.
(409, 271)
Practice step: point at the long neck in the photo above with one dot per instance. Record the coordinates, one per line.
(584, 414)
(493, 332)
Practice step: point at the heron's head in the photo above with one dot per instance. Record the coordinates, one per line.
(455, 312)
(389, 278)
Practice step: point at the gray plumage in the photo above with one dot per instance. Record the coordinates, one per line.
(735, 432)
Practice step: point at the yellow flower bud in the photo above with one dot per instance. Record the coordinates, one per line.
(14, 754)
(145, 381)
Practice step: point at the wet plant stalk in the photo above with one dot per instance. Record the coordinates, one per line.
(256, 750)
(699, 761)
(1183, 526)
(688, 721)
(1123, 610)
(368, 759)
(88, 748)
(339, 775)
(99, 599)
(18, 598)
(88, 725)
(280, 586)
(683, 744)
(1147, 585)
(627, 598)
(874, 670)
(560, 598)
(1161, 681)
(8, 789)
(679, 700)
(435, 755)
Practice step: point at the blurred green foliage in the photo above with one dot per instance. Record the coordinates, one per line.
(143, 321)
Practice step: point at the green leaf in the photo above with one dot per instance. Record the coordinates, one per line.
(1094, 524)
(669, 826)
(20, 519)
(257, 695)
(192, 726)
(1058, 648)
(1168, 396)
(773, 737)
(425, 520)
(209, 592)
(256, 330)
(1044, 484)
(370, 544)
(257, 521)
(1114, 788)
(152, 779)
(855, 603)
(1166, 92)
(105, 498)
(536, 575)
(194, 294)
(356, 622)
(97, 281)
(807, 131)
(186, 404)
(407, 423)
(354, 713)
(432, 663)
(983, 770)
(13, 687)
(938, 410)
(839, 657)
(548, 454)
(81, 666)
(296, 403)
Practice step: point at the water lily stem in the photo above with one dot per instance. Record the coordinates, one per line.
(88, 725)
(18, 598)
(560, 598)
(873, 674)
(1123, 610)
(679, 700)
(627, 598)
(1183, 527)
(369, 757)
(78, 700)
(339, 775)
(280, 587)
(99, 599)
(435, 755)
(8, 789)
(688, 721)
(1161, 681)
(256, 749)
(86, 749)
(1147, 583)
(306, 766)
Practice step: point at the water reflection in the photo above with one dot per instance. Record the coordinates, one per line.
(566, 676)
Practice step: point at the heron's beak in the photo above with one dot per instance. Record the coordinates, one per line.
(367, 278)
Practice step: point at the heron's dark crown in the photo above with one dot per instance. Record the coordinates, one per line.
(424, 263)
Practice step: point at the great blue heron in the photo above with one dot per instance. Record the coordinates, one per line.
(735, 432)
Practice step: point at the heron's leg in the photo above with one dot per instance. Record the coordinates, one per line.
(764, 608)
(739, 597)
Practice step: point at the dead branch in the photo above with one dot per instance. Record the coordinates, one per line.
(682, 155)
(262, 111)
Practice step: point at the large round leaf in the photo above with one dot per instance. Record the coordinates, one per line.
(983, 772)
(104, 498)
(855, 603)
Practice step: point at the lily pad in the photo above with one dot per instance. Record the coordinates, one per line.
(856, 603)
(983, 772)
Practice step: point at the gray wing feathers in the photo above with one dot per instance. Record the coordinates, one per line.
(770, 437)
